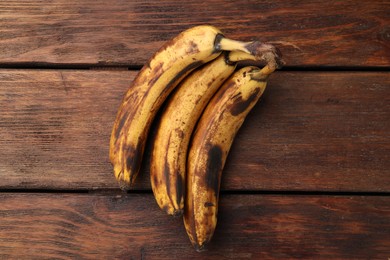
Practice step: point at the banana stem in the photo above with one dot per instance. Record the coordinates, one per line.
(226, 44)
(267, 70)
(262, 74)
(246, 50)
(267, 52)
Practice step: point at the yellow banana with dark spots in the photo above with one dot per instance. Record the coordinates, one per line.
(210, 146)
(176, 59)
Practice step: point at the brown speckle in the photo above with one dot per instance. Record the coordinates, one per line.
(154, 179)
(121, 124)
(193, 48)
(240, 105)
(156, 72)
(208, 204)
(133, 160)
(179, 188)
(214, 168)
(179, 132)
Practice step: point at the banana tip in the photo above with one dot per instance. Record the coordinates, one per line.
(123, 185)
(178, 213)
(200, 248)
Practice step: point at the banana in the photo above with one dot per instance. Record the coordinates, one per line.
(165, 69)
(176, 124)
(210, 146)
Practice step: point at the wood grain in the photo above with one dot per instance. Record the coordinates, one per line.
(43, 226)
(311, 131)
(95, 33)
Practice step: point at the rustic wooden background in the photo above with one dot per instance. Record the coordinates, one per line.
(307, 178)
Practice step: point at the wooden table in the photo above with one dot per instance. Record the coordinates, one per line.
(307, 177)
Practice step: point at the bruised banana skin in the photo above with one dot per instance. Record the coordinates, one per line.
(176, 124)
(210, 146)
(150, 88)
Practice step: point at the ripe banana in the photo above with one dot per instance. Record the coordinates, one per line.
(168, 66)
(176, 124)
(210, 146)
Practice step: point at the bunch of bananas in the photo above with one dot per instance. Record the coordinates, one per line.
(193, 83)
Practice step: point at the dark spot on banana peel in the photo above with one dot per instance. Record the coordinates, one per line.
(167, 172)
(133, 160)
(208, 204)
(210, 82)
(166, 177)
(214, 168)
(121, 124)
(179, 132)
(193, 48)
(167, 169)
(239, 105)
(154, 179)
(179, 188)
(156, 73)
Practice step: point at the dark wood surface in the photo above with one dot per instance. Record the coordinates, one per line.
(131, 226)
(121, 32)
(307, 177)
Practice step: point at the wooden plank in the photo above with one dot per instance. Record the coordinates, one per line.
(314, 33)
(312, 131)
(42, 226)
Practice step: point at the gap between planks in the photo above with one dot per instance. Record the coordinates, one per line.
(223, 192)
(59, 66)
